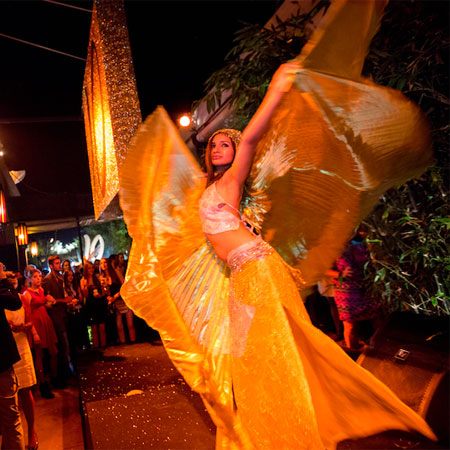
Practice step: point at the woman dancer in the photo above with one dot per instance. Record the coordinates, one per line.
(316, 159)
(269, 378)
(36, 300)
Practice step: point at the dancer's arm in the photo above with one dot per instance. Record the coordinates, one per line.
(281, 83)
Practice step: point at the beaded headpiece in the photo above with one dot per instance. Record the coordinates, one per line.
(234, 135)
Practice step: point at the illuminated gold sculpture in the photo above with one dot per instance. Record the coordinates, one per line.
(110, 101)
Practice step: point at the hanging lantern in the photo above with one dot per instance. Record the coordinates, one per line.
(2, 207)
(34, 249)
(22, 234)
(110, 100)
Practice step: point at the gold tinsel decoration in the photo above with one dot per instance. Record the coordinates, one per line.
(110, 101)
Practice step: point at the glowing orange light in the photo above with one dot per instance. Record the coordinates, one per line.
(184, 121)
(22, 234)
(2, 207)
(34, 249)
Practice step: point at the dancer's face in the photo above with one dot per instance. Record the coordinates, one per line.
(222, 152)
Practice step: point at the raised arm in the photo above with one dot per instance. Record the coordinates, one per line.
(281, 83)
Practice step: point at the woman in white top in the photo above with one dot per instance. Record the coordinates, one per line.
(22, 328)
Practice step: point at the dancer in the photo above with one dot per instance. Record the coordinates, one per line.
(228, 308)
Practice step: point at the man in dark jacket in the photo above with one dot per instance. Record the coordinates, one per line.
(53, 284)
(10, 424)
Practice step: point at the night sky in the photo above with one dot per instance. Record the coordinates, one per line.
(175, 47)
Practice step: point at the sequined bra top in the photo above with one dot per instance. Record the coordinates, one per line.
(215, 219)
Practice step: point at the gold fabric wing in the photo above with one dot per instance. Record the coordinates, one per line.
(174, 279)
(333, 146)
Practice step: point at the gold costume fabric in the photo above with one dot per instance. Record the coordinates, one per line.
(336, 142)
(294, 387)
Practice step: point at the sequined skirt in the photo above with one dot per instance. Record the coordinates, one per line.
(294, 387)
(260, 290)
(249, 251)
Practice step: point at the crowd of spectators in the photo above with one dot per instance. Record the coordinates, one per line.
(48, 318)
(71, 308)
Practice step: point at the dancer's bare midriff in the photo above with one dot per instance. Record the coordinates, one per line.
(224, 242)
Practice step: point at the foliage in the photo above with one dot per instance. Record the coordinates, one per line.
(410, 254)
(409, 228)
(114, 232)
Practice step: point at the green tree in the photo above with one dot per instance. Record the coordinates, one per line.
(410, 226)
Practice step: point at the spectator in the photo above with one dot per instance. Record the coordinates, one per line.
(21, 325)
(351, 300)
(122, 264)
(21, 284)
(53, 284)
(10, 424)
(116, 302)
(325, 288)
(114, 263)
(96, 305)
(37, 303)
(78, 336)
(66, 266)
(77, 271)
